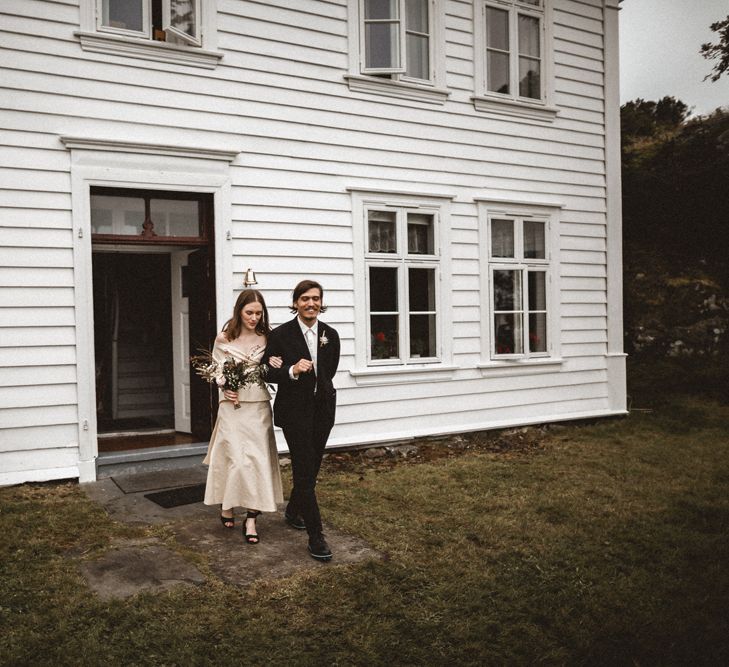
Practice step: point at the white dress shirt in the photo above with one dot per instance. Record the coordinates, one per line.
(311, 337)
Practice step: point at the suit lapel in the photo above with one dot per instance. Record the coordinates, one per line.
(323, 350)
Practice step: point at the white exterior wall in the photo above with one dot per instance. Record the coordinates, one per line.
(279, 96)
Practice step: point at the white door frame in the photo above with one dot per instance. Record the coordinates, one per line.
(143, 166)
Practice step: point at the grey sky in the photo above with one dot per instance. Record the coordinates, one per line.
(659, 52)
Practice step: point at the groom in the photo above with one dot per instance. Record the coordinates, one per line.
(305, 402)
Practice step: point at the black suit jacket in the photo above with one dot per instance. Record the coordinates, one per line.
(294, 404)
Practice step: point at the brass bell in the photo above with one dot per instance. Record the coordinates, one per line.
(250, 278)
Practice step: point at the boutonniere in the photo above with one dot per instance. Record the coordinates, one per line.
(323, 340)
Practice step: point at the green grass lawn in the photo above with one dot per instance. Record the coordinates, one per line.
(603, 543)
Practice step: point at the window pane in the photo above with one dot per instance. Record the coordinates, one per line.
(101, 219)
(507, 290)
(498, 72)
(384, 337)
(502, 238)
(182, 16)
(422, 336)
(537, 290)
(416, 15)
(116, 215)
(175, 217)
(383, 290)
(535, 3)
(381, 9)
(534, 240)
(508, 330)
(497, 29)
(530, 81)
(381, 232)
(420, 234)
(528, 36)
(123, 14)
(538, 332)
(382, 45)
(418, 65)
(421, 290)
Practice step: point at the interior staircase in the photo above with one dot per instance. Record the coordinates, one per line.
(143, 381)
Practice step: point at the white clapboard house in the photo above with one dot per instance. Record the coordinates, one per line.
(448, 169)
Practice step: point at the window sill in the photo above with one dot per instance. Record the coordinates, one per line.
(409, 91)
(519, 366)
(368, 377)
(498, 106)
(118, 45)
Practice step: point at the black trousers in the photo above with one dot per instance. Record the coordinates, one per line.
(306, 445)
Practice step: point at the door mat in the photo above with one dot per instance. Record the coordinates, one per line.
(184, 495)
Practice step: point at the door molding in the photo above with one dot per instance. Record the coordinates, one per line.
(97, 163)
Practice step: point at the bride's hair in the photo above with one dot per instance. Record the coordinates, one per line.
(234, 325)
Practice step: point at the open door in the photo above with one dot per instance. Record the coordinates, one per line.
(181, 341)
(201, 296)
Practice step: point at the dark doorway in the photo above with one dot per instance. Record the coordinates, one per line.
(132, 323)
(154, 306)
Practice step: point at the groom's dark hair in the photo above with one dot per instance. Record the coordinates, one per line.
(305, 286)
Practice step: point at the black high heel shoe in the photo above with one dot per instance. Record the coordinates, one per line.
(227, 521)
(251, 538)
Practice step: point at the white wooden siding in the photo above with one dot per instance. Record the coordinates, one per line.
(279, 95)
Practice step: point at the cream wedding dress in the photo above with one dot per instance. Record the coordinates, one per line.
(242, 458)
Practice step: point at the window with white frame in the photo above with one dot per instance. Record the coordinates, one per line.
(401, 264)
(514, 48)
(151, 19)
(180, 31)
(513, 53)
(396, 38)
(397, 42)
(519, 276)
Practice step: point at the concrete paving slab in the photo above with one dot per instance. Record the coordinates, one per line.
(161, 479)
(130, 569)
(135, 508)
(281, 551)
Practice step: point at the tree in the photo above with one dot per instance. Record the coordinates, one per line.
(675, 232)
(641, 119)
(719, 50)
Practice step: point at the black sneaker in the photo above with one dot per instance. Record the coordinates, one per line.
(319, 549)
(294, 521)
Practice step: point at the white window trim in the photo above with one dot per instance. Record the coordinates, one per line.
(137, 45)
(113, 163)
(489, 208)
(433, 370)
(513, 106)
(432, 92)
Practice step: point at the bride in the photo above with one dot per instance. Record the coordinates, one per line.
(242, 457)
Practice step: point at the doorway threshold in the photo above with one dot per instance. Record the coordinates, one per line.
(135, 432)
(138, 440)
(153, 458)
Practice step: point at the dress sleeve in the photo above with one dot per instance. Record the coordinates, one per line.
(219, 353)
